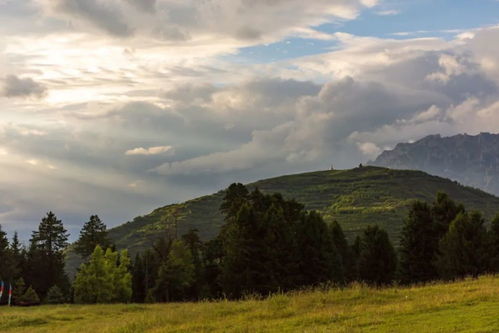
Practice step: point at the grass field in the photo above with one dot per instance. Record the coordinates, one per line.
(466, 306)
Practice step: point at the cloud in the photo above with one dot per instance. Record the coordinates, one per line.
(22, 87)
(160, 150)
(241, 20)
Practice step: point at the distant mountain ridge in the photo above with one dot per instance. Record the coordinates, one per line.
(470, 160)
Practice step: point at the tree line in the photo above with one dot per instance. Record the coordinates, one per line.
(267, 244)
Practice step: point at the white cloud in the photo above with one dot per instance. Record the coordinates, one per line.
(160, 150)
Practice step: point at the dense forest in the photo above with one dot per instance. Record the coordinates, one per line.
(267, 244)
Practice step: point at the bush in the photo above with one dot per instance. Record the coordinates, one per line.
(55, 296)
(29, 298)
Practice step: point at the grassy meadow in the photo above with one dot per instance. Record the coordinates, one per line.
(465, 306)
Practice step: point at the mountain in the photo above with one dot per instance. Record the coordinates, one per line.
(471, 160)
(355, 198)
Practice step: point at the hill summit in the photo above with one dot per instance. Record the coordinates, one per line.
(355, 198)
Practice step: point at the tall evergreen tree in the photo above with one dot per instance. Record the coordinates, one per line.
(418, 248)
(494, 245)
(176, 275)
(46, 257)
(319, 259)
(93, 233)
(7, 269)
(377, 259)
(462, 249)
(340, 242)
(444, 211)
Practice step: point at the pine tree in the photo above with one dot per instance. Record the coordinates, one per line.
(444, 211)
(176, 275)
(462, 249)
(7, 268)
(319, 261)
(30, 297)
(46, 257)
(340, 242)
(55, 296)
(93, 233)
(377, 259)
(19, 288)
(235, 196)
(418, 248)
(494, 246)
(195, 245)
(18, 256)
(241, 267)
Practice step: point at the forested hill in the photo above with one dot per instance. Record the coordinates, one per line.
(355, 198)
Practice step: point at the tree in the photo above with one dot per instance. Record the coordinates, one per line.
(234, 198)
(494, 245)
(444, 211)
(18, 256)
(377, 261)
(18, 290)
(462, 249)
(175, 275)
(93, 233)
(418, 248)
(30, 297)
(46, 257)
(55, 296)
(319, 259)
(104, 278)
(340, 242)
(7, 266)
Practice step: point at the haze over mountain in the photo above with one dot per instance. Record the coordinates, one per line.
(471, 160)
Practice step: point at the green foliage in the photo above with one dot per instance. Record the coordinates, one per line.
(55, 296)
(18, 291)
(93, 233)
(30, 297)
(377, 260)
(104, 278)
(462, 248)
(494, 245)
(8, 269)
(176, 274)
(45, 260)
(418, 245)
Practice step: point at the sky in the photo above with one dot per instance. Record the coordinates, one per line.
(117, 107)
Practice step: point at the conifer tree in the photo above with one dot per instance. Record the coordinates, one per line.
(377, 259)
(19, 289)
(93, 233)
(175, 275)
(340, 242)
(46, 257)
(7, 269)
(320, 261)
(417, 246)
(494, 246)
(462, 249)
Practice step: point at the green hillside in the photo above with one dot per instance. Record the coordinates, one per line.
(355, 198)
